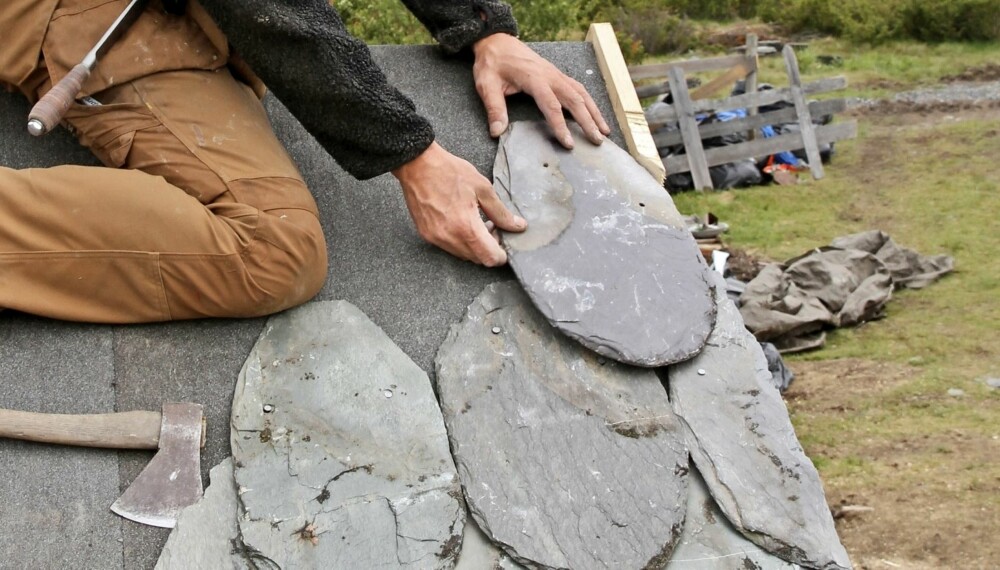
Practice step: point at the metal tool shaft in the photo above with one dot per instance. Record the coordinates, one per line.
(51, 108)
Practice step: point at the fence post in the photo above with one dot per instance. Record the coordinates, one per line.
(750, 85)
(802, 110)
(689, 129)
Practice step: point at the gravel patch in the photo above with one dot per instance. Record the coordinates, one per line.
(957, 95)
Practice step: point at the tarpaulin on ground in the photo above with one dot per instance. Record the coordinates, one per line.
(847, 283)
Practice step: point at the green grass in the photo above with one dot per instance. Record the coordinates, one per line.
(929, 183)
(873, 71)
(928, 186)
(882, 70)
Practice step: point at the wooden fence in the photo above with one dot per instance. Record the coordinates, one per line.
(687, 105)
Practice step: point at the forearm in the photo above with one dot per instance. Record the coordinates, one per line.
(457, 24)
(327, 79)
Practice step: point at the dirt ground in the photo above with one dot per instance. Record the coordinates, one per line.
(915, 514)
(926, 499)
(915, 499)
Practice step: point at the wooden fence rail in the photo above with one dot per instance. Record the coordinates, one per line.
(687, 106)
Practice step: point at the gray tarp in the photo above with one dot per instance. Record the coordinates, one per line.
(844, 284)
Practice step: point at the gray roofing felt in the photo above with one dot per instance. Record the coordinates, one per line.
(54, 500)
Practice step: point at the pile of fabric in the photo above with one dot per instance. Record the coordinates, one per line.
(847, 283)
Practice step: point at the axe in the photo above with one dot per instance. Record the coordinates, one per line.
(49, 110)
(170, 482)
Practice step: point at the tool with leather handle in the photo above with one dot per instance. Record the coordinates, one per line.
(50, 109)
(171, 480)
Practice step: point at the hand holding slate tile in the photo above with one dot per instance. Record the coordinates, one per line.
(606, 257)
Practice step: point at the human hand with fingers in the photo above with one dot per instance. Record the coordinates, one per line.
(444, 195)
(505, 66)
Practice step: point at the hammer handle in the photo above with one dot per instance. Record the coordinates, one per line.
(52, 107)
(124, 430)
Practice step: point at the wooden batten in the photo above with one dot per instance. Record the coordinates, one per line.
(763, 147)
(624, 100)
(757, 99)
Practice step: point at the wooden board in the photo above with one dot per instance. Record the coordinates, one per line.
(802, 109)
(628, 111)
(758, 99)
(786, 115)
(764, 147)
(694, 152)
(725, 80)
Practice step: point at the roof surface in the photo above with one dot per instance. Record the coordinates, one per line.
(54, 500)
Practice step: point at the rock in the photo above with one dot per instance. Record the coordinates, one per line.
(206, 532)
(743, 443)
(709, 541)
(567, 460)
(606, 257)
(479, 553)
(956, 393)
(350, 466)
(991, 382)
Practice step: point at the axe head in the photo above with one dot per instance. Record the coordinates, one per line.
(172, 480)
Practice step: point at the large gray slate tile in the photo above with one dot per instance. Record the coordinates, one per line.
(606, 258)
(478, 553)
(54, 500)
(566, 460)
(377, 261)
(410, 289)
(744, 445)
(709, 541)
(341, 453)
(206, 531)
(195, 361)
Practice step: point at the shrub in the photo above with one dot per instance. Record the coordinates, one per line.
(644, 26)
(941, 20)
(858, 20)
(665, 26)
(546, 20)
(381, 22)
(715, 9)
(866, 21)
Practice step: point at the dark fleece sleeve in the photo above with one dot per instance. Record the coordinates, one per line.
(457, 24)
(327, 79)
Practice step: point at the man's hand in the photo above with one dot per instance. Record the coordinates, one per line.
(505, 66)
(444, 195)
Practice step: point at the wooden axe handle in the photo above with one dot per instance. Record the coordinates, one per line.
(124, 430)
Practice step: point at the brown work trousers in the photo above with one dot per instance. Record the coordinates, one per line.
(198, 212)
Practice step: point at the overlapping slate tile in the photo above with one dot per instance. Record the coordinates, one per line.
(567, 460)
(478, 553)
(606, 258)
(377, 262)
(709, 541)
(206, 535)
(188, 361)
(744, 445)
(341, 453)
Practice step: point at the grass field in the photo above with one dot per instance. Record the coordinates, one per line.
(872, 408)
